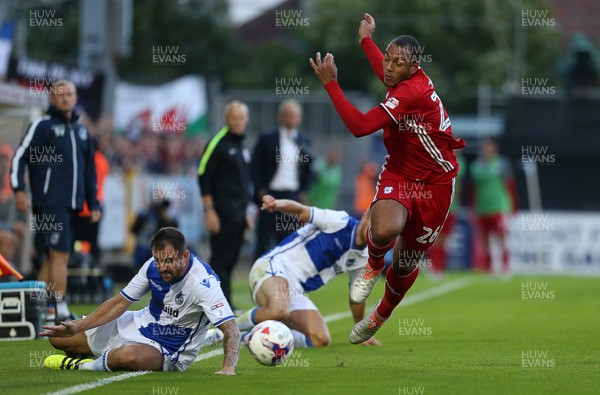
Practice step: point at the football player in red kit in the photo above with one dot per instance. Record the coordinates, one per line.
(416, 185)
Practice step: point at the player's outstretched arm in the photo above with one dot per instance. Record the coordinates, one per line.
(231, 347)
(106, 312)
(270, 204)
(358, 123)
(365, 31)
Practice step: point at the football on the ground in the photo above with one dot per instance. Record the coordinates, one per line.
(271, 342)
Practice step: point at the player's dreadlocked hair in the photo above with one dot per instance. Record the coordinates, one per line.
(410, 43)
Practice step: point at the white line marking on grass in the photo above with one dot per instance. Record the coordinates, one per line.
(411, 299)
(437, 291)
(98, 383)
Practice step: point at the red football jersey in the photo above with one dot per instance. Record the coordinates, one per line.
(416, 127)
(420, 140)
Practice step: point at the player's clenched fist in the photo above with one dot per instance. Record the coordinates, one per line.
(366, 28)
(269, 203)
(326, 69)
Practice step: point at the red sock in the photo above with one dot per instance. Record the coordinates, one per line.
(395, 289)
(377, 253)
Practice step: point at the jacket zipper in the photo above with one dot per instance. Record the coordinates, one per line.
(47, 182)
(74, 151)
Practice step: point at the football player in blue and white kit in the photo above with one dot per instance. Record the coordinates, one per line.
(166, 334)
(332, 242)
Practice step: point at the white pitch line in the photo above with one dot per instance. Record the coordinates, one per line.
(437, 291)
(209, 354)
(99, 383)
(412, 299)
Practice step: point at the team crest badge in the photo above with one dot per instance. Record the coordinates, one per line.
(83, 134)
(58, 130)
(179, 298)
(54, 237)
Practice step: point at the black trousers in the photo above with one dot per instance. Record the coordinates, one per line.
(225, 250)
(273, 228)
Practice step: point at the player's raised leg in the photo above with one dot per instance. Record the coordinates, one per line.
(388, 218)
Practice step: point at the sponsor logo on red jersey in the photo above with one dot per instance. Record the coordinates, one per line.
(392, 102)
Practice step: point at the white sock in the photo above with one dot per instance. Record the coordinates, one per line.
(51, 311)
(244, 338)
(213, 336)
(100, 364)
(62, 310)
(300, 339)
(246, 320)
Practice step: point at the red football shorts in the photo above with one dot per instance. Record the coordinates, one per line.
(427, 206)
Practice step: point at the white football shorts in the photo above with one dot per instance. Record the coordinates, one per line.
(264, 269)
(124, 331)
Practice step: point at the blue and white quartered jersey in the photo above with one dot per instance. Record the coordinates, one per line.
(179, 313)
(318, 251)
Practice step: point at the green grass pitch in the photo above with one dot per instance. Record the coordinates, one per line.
(464, 334)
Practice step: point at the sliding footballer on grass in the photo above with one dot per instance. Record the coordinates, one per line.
(164, 336)
(332, 242)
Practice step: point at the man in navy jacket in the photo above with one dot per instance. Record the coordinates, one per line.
(59, 154)
(281, 167)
